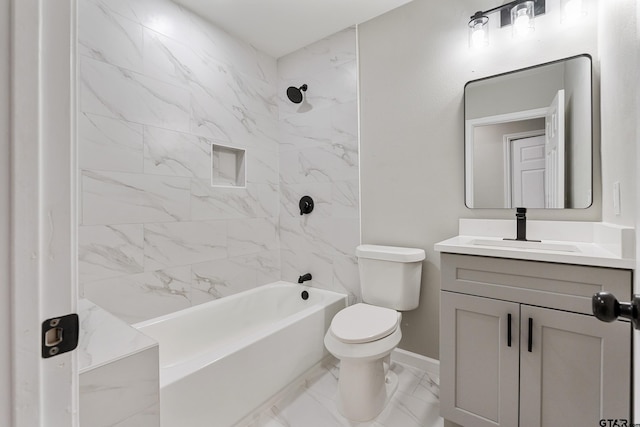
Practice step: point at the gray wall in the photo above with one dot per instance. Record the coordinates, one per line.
(578, 154)
(5, 296)
(414, 63)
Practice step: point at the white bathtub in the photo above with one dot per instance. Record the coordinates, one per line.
(221, 360)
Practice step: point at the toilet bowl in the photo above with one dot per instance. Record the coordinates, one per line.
(363, 335)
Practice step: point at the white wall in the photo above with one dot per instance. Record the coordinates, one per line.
(158, 87)
(5, 295)
(618, 46)
(319, 158)
(414, 63)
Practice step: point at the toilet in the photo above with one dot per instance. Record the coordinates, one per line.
(362, 336)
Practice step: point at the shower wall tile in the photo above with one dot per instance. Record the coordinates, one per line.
(116, 92)
(262, 166)
(230, 117)
(250, 236)
(109, 144)
(109, 251)
(319, 157)
(158, 86)
(184, 243)
(167, 152)
(290, 195)
(345, 199)
(216, 279)
(121, 198)
(123, 46)
(254, 201)
(139, 297)
(308, 130)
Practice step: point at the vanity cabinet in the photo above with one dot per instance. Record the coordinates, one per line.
(519, 346)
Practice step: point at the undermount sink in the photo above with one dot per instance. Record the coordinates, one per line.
(525, 244)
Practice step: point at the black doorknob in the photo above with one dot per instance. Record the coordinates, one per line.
(606, 307)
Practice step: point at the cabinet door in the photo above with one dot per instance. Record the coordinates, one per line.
(578, 369)
(478, 368)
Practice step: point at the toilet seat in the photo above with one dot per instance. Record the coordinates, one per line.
(363, 323)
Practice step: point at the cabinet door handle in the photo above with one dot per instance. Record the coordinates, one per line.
(530, 343)
(509, 329)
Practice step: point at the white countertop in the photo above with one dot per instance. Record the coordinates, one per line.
(594, 244)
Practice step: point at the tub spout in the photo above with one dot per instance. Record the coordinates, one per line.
(304, 278)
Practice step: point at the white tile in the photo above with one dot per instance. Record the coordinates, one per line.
(345, 199)
(220, 278)
(250, 236)
(314, 403)
(305, 130)
(119, 93)
(114, 392)
(109, 144)
(150, 417)
(262, 166)
(104, 337)
(139, 297)
(109, 37)
(183, 243)
(320, 192)
(254, 201)
(121, 198)
(109, 251)
(176, 153)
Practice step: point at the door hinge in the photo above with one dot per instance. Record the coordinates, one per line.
(59, 335)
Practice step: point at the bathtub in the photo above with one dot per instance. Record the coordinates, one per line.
(221, 360)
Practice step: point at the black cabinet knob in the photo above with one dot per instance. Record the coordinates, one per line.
(606, 307)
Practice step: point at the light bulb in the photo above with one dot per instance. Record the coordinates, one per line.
(522, 19)
(478, 31)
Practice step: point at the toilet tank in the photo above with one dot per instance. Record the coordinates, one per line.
(390, 275)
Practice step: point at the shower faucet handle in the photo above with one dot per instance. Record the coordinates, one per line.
(305, 205)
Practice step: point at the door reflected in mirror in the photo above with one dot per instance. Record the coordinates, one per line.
(528, 137)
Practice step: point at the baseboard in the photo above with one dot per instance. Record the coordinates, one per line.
(416, 360)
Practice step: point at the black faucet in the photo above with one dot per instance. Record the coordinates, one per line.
(521, 224)
(304, 278)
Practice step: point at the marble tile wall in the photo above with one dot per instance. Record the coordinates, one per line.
(158, 87)
(319, 157)
(119, 378)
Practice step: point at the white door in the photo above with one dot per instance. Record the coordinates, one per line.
(42, 208)
(554, 152)
(528, 170)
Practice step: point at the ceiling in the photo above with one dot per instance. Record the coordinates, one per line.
(278, 27)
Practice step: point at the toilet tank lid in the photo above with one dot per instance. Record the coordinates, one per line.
(390, 253)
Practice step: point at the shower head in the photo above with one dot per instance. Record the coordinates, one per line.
(295, 94)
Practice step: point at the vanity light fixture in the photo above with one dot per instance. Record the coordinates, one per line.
(519, 13)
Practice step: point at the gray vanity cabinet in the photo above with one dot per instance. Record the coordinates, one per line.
(519, 347)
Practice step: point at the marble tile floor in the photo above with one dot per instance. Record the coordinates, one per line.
(311, 403)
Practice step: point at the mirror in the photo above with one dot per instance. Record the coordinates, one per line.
(528, 137)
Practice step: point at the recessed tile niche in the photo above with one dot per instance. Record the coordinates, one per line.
(227, 166)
